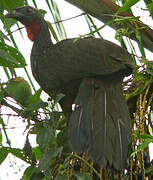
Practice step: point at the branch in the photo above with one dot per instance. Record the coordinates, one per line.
(104, 9)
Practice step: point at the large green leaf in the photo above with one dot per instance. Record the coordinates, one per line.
(20, 90)
(10, 57)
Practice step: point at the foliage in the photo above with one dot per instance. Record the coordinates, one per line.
(52, 157)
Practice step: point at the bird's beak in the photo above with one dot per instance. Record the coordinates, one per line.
(14, 14)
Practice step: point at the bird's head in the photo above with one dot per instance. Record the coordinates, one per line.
(29, 17)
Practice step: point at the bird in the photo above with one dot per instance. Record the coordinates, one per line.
(89, 71)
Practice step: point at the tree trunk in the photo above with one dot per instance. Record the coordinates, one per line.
(104, 9)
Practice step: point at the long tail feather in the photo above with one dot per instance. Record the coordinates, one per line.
(100, 123)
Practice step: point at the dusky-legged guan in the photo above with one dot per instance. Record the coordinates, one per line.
(89, 71)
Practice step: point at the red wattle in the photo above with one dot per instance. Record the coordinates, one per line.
(32, 30)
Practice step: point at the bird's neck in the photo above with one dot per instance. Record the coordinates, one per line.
(39, 34)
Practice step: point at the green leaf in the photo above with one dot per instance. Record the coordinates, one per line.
(144, 136)
(36, 97)
(61, 177)
(7, 60)
(42, 12)
(43, 137)
(127, 5)
(140, 82)
(1, 95)
(3, 154)
(9, 4)
(45, 161)
(62, 140)
(82, 176)
(1, 137)
(46, 158)
(29, 172)
(56, 16)
(35, 107)
(37, 176)
(7, 22)
(3, 36)
(18, 153)
(20, 90)
(149, 67)
(53, 31)
(10, 57)
(143, 145)
(37, 152)
(150, 7)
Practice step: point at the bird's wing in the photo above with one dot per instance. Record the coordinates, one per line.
(91, 57)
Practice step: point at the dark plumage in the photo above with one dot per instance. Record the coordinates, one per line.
(89, 72)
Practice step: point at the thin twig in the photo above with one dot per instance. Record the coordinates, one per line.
(51, 23)
(69, 18)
